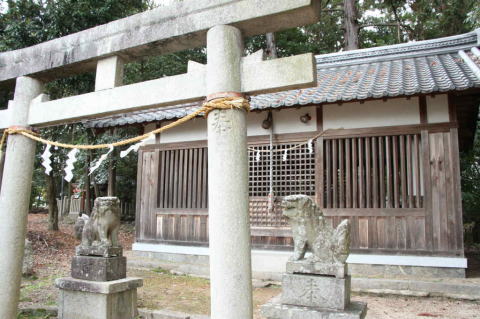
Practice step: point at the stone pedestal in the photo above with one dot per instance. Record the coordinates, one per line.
(274, 309)
(99, 251)
(99, 268)
(314, 290)
(82, 299)
(98, 288)
(316, 268)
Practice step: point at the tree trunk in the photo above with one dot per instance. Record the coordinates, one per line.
(112, 173)
(271, 50)
(351, 27)
(96, 190)
(87, 206)
(52, 202)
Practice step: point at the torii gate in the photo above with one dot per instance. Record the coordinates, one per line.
(167, 29)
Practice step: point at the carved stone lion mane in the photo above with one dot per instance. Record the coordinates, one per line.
(101, 229)
(312, 233)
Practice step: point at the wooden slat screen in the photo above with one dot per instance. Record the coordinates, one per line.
(295, 175)
(182, 179)
(373, 172)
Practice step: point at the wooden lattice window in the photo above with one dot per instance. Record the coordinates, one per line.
(182, 179)
(295, 175)
(261, 217)
(373, 172)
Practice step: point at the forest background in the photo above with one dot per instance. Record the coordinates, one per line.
(344, 25)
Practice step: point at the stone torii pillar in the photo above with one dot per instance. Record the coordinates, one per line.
(229, 224)
(15, 197)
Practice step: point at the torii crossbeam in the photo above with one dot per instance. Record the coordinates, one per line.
(225, 23)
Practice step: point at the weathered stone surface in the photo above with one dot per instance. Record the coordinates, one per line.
(264, 76)
(228, 223)
(79, 224)
(312, 233)
(27, 266)
(177, 27)
(100, 287)
(99, 251)
(275, 310)
(99, 268)
(14, 202)
(319, 268)
(316, 291)
(100, 233)
(80, 299)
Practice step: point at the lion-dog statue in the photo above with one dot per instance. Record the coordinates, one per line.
(101, 229)
(311, 232)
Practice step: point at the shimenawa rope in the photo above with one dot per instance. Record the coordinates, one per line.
(207, 107)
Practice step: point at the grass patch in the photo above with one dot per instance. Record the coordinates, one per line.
(35, 314)
(160, 270)
(164, 290)
(39, 290)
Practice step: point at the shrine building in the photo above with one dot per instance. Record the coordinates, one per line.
(377, 142)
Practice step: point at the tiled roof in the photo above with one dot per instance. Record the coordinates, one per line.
(398, 70)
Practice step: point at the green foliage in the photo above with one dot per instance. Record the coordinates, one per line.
(428, 19)
(165, 65)
(28, 22)
(470, 179)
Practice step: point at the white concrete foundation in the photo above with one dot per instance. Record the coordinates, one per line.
(270, 264)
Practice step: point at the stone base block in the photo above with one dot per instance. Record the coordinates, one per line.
(316, 291)
(316, 268)
(99, 268)
(81, 299)
(275, 310)
(99, 251)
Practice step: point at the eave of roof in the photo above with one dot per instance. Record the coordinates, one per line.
(423, 67)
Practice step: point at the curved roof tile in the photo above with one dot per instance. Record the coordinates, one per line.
(398, 70)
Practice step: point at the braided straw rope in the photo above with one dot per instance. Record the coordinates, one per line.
(207, 107)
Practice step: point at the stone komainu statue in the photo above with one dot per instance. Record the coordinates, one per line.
(312, 232)
(101, 229)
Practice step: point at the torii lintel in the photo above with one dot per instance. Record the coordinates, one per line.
(173, 28)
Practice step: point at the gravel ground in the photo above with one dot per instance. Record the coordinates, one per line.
(386, 307)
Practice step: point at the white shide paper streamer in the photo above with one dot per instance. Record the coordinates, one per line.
(100, 160)
(257, 157)
(136, 146)
(70, 161)
(310, 146)
(46, 159)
